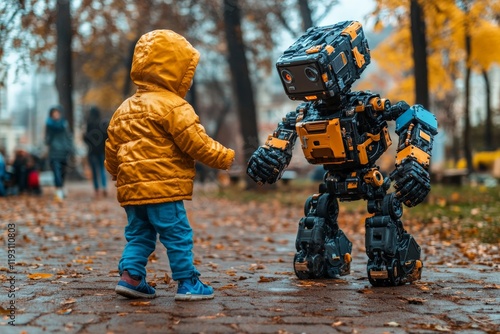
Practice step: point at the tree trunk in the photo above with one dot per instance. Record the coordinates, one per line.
(419, 43)
(488, 131)
(64, 73)
(224, 110)
(467, 130)
(128, 65)
(305, 14)
(242, 85)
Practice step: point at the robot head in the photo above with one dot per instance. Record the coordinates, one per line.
(324, 62)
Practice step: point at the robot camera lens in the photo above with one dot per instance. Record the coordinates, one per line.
(287, 76)
(311, 73)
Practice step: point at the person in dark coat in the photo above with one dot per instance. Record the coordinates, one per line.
(3, 172)
(95, 137)
(59, 140)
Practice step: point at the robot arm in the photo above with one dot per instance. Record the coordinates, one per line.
(416, 128)
(268, 162)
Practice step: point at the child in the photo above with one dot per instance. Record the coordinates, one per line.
(154, 138)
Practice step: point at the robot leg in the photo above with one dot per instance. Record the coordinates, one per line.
(323, 250)
(308, 261)
(394, 256)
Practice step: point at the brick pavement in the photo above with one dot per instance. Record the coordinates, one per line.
(245, 252)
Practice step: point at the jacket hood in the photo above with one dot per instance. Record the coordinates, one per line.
(165, 59)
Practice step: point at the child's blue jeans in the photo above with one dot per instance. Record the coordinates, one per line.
(59, 167)
(170, 222)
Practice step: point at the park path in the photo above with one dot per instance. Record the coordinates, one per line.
(65, 271)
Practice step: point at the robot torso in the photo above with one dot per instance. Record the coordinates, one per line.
(345, 136)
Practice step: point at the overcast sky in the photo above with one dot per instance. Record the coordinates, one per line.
(350, 10)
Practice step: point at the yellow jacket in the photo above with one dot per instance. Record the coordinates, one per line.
(155, 136)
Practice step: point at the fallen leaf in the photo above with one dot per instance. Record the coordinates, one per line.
(392, 324)
(228, 286)
(153, 258)
(231, 272)
(286, 273)
(442, 328)
(68, 301)
(416, 301)
(65, 311)
(167, 279)
(365, 291)
(140, 303)
(84, 261)
(255, 266)
(218, 315)
(310, 283)
(4, 311)
(264, 279)
(38, 276)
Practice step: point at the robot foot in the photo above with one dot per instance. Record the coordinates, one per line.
(342, 268)
(333, 262)
(391, 273)
(316, 267)
(306, 267)
(338, 255)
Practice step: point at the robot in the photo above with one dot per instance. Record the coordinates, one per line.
(346, 132)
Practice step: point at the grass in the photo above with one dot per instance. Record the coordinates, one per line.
(473, 212)
(452, 212)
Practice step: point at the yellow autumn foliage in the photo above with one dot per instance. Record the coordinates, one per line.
(486, 44)
(446, 25)
(106, 95)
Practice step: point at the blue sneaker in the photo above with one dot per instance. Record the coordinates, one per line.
(193, 289)
(143, 290)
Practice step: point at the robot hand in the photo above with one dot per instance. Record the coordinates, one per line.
(412, 183)
(396, 110)
(267, 164)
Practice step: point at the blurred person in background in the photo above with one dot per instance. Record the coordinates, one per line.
(59, 140)
(20, 171)
(25, 173)
(95, 137)
(3, 172)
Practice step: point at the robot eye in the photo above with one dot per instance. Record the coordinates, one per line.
(311, 73)
(287, 76)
